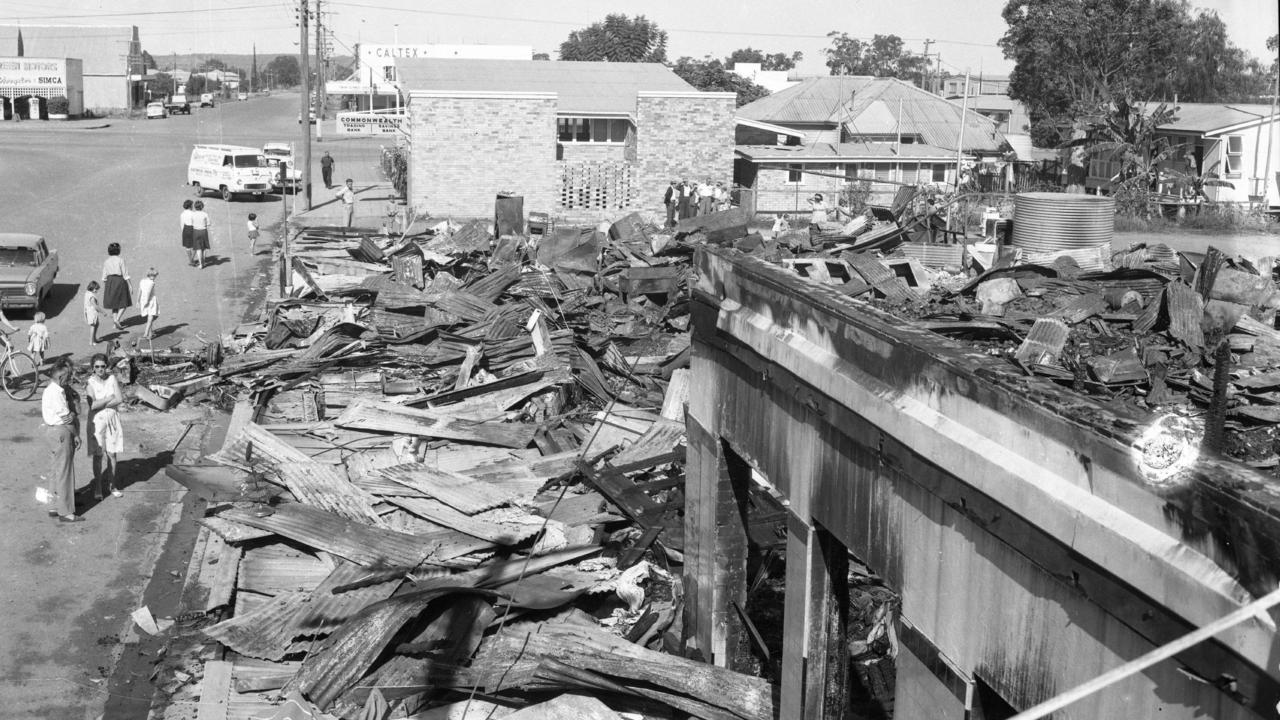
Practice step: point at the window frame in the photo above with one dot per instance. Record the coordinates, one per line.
(1233, 161)
(581, 129)
(796, 169)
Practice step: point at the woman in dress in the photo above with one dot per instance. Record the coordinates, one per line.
(115, 285)
(199, 232)
(185, 220)
(104, 435)
(148, 305)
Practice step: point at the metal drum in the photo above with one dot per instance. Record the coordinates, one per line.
(1046, 222)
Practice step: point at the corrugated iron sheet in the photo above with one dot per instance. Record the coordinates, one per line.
(385, 417)
(1044, 342)
(328, 487)
(268, 631)
(459, 491)
(276, 568)
(661, 438)
(934, 255)
(326, 531)
(500, 533)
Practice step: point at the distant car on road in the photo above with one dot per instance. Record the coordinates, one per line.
(313, 117)
(178, 104)
(242, 96)
(206, 100)
(27, 270)
(156, 110)
(282, 152)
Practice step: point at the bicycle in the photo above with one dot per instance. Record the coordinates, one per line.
(18, 372)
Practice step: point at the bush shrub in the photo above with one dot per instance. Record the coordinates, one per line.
(59, 105)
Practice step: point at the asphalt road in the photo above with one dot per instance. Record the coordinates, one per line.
(68, 589)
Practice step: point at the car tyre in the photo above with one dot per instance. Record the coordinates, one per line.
(199, 189)
(227, 194)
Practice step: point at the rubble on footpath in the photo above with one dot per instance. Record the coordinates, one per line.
(454, 469)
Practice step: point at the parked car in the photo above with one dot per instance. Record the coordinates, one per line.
(206, 100)
(282, 152)
(242, 96)
(313, 117)
(27, 270)
(156, 110)
(229, 170)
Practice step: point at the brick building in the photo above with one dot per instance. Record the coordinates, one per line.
(580, 140)
(832, 135)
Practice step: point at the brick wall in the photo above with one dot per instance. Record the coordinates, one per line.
(469, 147)
(681, 135)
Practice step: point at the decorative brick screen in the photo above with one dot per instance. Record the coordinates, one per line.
(597, 185)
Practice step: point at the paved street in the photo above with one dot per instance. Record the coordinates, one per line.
(68, 590)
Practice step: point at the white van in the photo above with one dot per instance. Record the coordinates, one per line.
(229, 170)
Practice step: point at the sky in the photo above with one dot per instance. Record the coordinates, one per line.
(964, 40)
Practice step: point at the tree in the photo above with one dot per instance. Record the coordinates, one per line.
(884, 56)
(541, 56)
(212, 64)
(711, 75)
(1075, 58)
(773, 61)
(1127, 131)
(617, 39)
(284, 70)
(148, 62)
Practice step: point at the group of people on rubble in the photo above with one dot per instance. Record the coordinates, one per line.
(684, 199)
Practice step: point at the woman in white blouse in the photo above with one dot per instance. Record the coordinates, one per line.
(103, 432)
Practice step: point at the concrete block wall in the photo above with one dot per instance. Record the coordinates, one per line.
(468, 147)
(685, 135)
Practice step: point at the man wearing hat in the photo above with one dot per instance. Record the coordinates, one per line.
(669, 199)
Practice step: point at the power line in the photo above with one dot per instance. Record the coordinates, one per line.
(28, 19)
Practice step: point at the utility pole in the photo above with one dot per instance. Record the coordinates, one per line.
(927, 79)
(319, 76)
(304, 62)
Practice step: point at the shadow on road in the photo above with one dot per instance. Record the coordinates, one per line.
(128, 472)
(60, 296)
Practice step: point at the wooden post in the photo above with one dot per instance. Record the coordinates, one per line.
(716, 549)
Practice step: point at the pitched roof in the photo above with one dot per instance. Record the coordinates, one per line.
(103, 48)
(583, 87)
(870, 106)
(1207, 117)
(828, 152)
(814, 100)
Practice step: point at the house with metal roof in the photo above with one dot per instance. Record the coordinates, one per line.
(575, 139)
(829, 134)
(1238, 143)
(110, 60)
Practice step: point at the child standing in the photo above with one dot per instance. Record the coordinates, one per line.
(38, 338)
(92, 310)
(148, 305)
(252, 226)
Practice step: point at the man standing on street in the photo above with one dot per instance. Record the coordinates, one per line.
(347, 195)
(326, 170)
(670, 199)
(58, 408)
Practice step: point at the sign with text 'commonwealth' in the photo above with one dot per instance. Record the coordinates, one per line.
(370, 123)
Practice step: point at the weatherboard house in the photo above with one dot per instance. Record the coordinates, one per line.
(828, 134)
(575, 139)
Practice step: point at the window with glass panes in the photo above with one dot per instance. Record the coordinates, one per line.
(1235, 155)
(592, 130)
